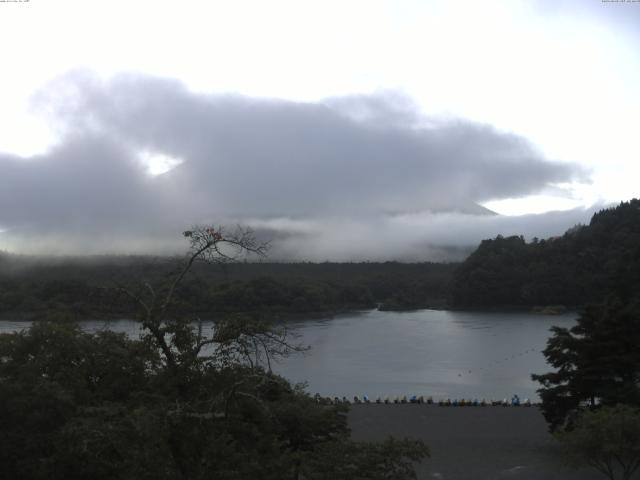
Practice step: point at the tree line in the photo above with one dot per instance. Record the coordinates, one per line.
(578, 268)
(78, 289)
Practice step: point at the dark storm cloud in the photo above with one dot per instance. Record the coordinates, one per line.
(345, 163)
(271, 157)
(83, 180)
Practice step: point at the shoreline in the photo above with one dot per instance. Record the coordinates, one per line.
(550, 310)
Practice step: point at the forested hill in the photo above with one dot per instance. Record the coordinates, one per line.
(580, 267)
(86, 287)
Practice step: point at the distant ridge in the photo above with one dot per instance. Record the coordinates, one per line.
(467, 208)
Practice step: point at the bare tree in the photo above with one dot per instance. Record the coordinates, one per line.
(233, 339)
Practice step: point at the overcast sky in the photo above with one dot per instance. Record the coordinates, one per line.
(341, 130)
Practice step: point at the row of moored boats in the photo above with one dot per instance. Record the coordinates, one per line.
(505, 402)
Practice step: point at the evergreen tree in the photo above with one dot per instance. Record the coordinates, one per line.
(597, 362)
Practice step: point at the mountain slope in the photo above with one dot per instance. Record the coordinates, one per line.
(580, 267)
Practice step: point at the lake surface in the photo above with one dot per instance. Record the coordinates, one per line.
(425, 352)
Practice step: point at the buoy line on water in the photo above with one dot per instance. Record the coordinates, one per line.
(500, 361)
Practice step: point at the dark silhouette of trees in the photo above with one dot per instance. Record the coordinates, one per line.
(597, 362)
(178, 403)
(80, 288)
(607, 439)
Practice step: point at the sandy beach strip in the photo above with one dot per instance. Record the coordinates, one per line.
(470, 443)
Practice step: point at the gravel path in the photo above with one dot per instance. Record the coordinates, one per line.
(471, 443)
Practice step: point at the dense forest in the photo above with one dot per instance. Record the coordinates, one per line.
(82, 287)
(578, 268)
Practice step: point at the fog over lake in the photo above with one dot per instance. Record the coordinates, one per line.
(426, 352)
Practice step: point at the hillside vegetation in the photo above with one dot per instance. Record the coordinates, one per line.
(88, 287)
(580, 267)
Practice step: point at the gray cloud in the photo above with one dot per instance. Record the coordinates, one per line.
(427, 236)
(342, 169)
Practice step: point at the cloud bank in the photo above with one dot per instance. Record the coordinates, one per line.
(352, 178)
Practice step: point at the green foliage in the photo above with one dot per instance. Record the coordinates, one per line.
(101, 406)
(390, 460)
(607, 439)
(79, 290)
(578, 268)
(50, 373)
(179, 403)
(267, 294)
(597, 362)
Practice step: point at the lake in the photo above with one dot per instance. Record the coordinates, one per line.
(426, 352)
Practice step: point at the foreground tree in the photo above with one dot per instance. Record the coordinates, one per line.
(607, 439)
(171, 332)
(597, 362)
(391, 459)
(179, 403)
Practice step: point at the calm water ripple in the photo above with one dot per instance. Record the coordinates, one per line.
(425, 352)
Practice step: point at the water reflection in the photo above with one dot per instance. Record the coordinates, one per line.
(439, 353)
(426, 352)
